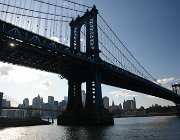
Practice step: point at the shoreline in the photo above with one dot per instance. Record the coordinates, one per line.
(18, 122)
(145, 115)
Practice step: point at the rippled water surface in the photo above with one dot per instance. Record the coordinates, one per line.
(160, 128)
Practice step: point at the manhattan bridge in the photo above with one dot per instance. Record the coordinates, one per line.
(74, 41)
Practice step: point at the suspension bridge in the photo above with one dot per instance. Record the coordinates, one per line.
(74, 41)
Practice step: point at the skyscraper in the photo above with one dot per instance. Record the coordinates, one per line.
(37, 102)
(26, 102)
(51, 100)
(129, 104)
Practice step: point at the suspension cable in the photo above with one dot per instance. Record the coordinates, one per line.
(119, 51)
(78, 4)
(52, 14)
(127, 49)
(35, 16)
(59, 6)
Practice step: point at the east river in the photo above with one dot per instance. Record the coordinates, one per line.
(135, 128)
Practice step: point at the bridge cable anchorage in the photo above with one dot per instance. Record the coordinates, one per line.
(126, 50)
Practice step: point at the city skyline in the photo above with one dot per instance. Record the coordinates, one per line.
(149, 30)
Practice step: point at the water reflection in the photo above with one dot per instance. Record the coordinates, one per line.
(124, 128)
(86, 132)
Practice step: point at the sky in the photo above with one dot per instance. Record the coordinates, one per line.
(149, 29)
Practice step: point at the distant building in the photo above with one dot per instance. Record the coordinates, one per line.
(37, 103)
(62, 105)
(6, 103)
(13, 113)
(66, 98)
(51, 100)
(120, 106)
(26, 102)
(83, 97)
(56, 103)
(106, 102)
(129, 104)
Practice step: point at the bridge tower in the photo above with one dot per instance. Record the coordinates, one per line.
(176, 89)
(93, 111)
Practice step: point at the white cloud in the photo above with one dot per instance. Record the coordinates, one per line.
(44, 85)
(19, 74)
(5, 69)
(123, 93)
(151, 97)
(165, 80)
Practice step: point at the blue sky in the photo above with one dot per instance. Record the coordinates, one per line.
(149, 29)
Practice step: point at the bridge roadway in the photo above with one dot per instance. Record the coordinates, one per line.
(24, 48)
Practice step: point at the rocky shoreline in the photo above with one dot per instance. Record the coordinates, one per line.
(17, 122)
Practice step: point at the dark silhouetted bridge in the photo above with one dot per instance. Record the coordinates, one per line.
(35, 34)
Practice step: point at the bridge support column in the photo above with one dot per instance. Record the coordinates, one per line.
(178, 109)
(70, 95)
(98, 91)
(78, 98)
(93, 112)
(74, 96)
(89, 95)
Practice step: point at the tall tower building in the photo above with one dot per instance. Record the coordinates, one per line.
(26, 102)
(129, 104)
(37, 102)
(51, 100)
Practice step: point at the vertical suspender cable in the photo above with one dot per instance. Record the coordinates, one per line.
(5, 18)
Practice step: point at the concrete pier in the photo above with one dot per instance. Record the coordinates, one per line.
(92, 117)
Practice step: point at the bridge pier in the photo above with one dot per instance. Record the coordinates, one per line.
(178, 110)
(93, 113)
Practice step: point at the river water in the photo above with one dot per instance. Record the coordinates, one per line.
(135, 128)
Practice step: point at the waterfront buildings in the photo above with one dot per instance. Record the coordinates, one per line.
(129, 104)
